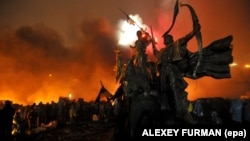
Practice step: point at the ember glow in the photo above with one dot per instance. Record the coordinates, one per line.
(49, 49)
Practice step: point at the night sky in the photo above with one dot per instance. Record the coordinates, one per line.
(52, 48)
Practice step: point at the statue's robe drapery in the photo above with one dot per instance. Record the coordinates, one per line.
(215, 61)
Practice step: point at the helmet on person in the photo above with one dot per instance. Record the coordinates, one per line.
(8, 102)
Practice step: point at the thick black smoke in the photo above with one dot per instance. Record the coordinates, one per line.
(36, 65)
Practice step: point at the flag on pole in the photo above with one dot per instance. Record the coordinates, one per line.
(103, 92)
(119, 71)
(129, 20)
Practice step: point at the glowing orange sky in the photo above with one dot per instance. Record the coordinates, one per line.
(75, 40)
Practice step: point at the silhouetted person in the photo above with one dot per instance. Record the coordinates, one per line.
(33, 118)
(1, 124)
(6, 121)
(235, 110)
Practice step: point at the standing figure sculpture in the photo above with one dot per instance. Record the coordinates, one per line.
(141, 44)
(172, 65)
(175, 62)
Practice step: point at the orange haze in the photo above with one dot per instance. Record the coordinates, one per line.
(55, 48)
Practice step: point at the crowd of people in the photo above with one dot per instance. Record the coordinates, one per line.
(19, 121)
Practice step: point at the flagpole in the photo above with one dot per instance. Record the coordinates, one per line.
(130, 20)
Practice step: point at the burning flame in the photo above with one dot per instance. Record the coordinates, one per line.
(127, 32)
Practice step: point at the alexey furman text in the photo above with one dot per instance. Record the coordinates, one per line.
(182, 132)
